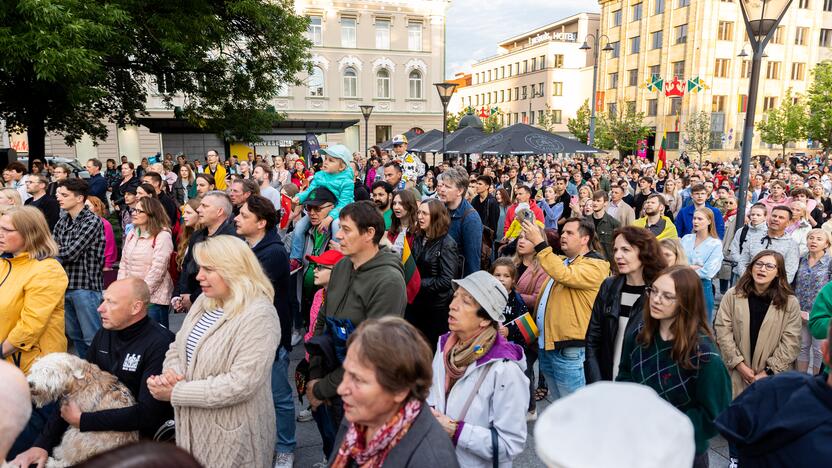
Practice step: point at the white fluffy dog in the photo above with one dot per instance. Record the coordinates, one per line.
(62, 376)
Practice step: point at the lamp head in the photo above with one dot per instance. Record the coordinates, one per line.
(366, 110)
(764, 15)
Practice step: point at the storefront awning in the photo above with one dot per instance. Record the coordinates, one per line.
(282, 128)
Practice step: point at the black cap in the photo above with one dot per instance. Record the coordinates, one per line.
(320, 196)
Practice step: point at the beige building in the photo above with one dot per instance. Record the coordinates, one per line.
(689, 39)
(385, 53)
(539, 68)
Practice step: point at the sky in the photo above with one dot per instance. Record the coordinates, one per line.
(474, 27)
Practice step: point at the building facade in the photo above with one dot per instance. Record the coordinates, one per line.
(385, 53)
(540, 71)
(663, 46)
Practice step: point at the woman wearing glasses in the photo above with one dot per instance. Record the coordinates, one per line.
(146, 255)
(674, 353)
(758, 323)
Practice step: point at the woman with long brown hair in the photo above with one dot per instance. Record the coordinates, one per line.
(403, 224)
(190, 224)
(674, 353)
(758, 323)
(146, 255)
(619, 305)
(97, 206)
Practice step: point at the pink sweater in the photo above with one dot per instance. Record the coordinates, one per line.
(110, 250)
(144, 258)
(530, 284)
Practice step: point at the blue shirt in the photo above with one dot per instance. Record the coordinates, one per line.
(98, 187)
(708, 255)
(466, 230)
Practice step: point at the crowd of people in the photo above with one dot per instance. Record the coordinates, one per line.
(422, 296)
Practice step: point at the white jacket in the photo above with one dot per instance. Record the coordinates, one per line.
(502, 400)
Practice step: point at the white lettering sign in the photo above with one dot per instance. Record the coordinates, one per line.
(561, 36)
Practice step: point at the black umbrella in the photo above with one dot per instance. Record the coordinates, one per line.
(461, 139)
(424, 140)
(525, 139)
(388, 145)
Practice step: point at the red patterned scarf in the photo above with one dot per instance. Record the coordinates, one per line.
(373, 453)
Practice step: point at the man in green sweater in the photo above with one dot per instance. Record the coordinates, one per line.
(821, 313)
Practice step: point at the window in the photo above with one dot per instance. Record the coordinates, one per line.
(542, 62)
(415, 84)
(684, 3)
(557, 88)
(673, 140)
(745, 69)
(383, 133)
(725, 31)
(557, 116)
(681, 33)
(804, 4)
(652, 107)
(679, 69)
(655, 70)
(616, 18)
(612, 108)
(827, 5)
(316, 33)
(316, 82)
(780, 34)
(414, 36)
(636, 12)
(825, 38)
(516, 94)
(489, 75)
(798, 71)
(635, 44)
(541, 91)
(534, 63)
(657, 39)
(350, 82)
(613, 81)
(558, 61)
(659, 7)
(769, 102)
(718, 103)
(383, 84)
(675, 106)
(525, 119)
(382, 34)
(632, 77)
(508, 95)
(801, 36)
(165, 83)
(502, 95)
(347, 32)
(283, 90)
(721, 68)
(773, 70)
(616, 49)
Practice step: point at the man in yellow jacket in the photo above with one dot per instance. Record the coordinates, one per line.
(565, 303)
(654, 220)
(216, 169)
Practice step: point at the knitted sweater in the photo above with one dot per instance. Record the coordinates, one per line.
(224, 410)
(701, 393)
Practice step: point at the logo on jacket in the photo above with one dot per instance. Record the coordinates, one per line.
(131, 362)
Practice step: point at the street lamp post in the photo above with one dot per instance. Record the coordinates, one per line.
(761, 20)
(596, 41)
(446, 90)
(366, 110)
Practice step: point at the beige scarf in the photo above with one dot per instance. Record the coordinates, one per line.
(460, 354)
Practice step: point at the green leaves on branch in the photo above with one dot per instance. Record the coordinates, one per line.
(819, 101)
(579, 126)
(785, 123)
(698, 134)
(620, 131)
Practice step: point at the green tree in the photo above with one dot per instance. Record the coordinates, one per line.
(785, 123)
(492, 124)
(549, 119)
(452, 124)
(698, 134)
(819, 99)
(69, 66)
(621, 131)
(579, 126)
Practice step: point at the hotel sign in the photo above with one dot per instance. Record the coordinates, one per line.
(547, 36)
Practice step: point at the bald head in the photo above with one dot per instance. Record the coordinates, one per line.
(15, 405)
(125, 303)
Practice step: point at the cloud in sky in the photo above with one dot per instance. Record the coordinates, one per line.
(474, 27)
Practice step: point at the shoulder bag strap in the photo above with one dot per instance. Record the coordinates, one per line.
(743, 236)
(495, 448)
(474, 391)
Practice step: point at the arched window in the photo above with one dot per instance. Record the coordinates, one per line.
(383, 83)
(316, 82)
(350, 82)
(415, 84)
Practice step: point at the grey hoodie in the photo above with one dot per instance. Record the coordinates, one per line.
(756, 241)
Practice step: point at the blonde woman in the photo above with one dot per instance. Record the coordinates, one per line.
(671, 196)
(813, 273)
(9, 198)
(704, 251)
(673, 252)
(218, 371)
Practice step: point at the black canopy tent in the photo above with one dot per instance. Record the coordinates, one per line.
(425, 140)
(525, 139)
(459, 140)
(410, 135)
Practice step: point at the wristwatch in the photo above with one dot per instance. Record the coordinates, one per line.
(768, 371)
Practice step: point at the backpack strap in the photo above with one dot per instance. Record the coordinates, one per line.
(743, 236)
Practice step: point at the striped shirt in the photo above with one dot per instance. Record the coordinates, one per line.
(208, 319)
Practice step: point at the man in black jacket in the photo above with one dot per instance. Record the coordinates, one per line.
(36, 187)
(485, 203)
(256, 224)
(215, 214)
(155, 179)
(132, 347)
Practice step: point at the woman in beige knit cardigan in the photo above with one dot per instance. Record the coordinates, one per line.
(217, 374)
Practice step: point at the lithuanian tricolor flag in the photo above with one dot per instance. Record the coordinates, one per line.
(662, 159)
(525, 324)
(412, 278)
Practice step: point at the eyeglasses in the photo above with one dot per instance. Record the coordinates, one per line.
(136, 211)
(765, 266)
(323, 267)
(659, 296)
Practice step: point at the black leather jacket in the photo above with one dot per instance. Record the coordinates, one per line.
(603, 327)
(437, 261)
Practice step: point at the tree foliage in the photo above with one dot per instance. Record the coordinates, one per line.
(579, 126)
(785, 123)
(621, 131)
(492, 123)
(819, 99)
(549, 119)
(698, 134)
(452, 123)
(70, 65)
